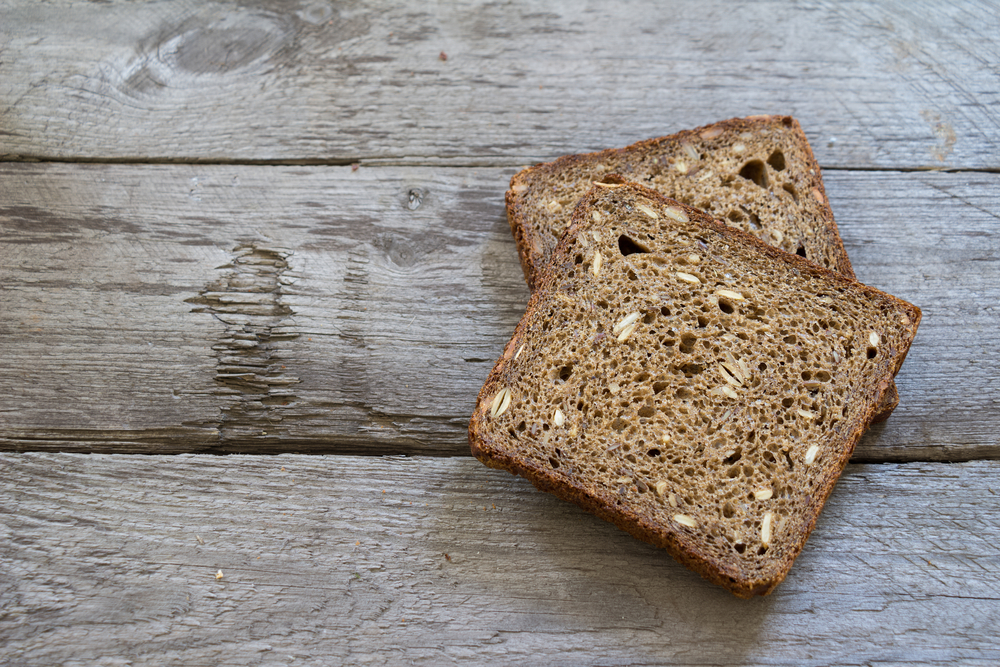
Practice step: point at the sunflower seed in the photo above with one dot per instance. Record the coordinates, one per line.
(500, 402)
(627, 331)
(648, 211)
(676, 214)
(765, 528)
(625, 322)
(811, 454)
(688, 278)
(729, 294)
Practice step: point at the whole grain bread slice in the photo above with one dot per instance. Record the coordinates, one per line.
(689, 383)
(757, 174)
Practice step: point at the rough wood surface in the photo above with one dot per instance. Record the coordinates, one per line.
(242, 306)
(115, 560)
(261, 309)
(891, 84)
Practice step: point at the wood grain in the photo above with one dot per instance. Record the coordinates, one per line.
(437, 561)
(261, 309)
(228, 283)
(891, 85)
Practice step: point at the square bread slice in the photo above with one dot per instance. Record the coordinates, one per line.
(690, 384)
(757, 174)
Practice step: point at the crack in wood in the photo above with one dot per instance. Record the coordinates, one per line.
(247, 299)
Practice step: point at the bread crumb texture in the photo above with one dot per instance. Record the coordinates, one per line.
(706, 405)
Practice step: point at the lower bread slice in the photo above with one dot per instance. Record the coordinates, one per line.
(690, 384)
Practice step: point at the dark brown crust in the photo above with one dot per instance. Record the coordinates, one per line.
(607, 507)
(530, 249)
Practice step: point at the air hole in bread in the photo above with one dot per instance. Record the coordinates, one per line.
(726, 307)
(755, 222)
(790, 189)
(628, 246)
(800, 251)
(872, 353)
(690, 370)
(565, 372)
(553, 462)
(734, 457)
(755, 171)
(653, 453)
(788, 459)
(659, 386)
(740, 547)
(683, 393)
(777, 160)
(687, 342)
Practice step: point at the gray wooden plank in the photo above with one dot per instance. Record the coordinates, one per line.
(875, 84)
(902, 238)
(186, 308)
(171, 308)
(115, 559)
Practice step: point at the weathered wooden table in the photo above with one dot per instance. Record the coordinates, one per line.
(275, 230)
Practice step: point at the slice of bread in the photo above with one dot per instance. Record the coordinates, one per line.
(757, 174)
(689, 383)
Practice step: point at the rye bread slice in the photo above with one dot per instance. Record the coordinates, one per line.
(690, 384)
(757, 174)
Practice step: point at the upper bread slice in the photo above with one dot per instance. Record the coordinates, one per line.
(689, 383)
(757, 174)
